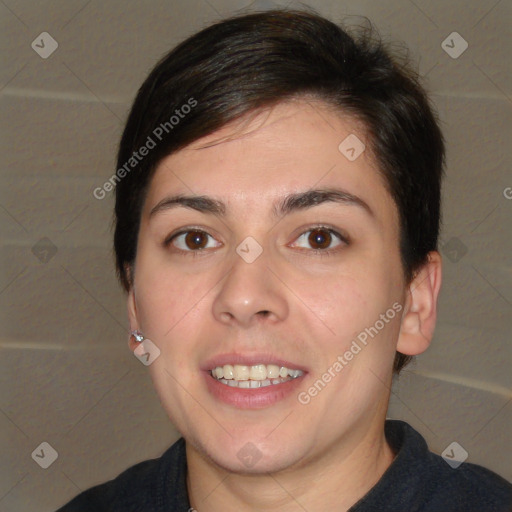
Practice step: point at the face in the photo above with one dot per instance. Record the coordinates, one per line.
(285, 280)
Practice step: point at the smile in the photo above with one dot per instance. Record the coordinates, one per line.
(255, 376)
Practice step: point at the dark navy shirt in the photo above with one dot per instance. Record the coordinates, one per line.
(416, 481)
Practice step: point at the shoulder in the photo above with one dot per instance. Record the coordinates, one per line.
(142, 485)
(469, 487)
(421, 481)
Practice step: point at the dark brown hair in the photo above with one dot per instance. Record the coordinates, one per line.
(245, 63)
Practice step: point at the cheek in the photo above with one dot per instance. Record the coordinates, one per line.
(337, 301)
(352, 302)
(165, 298)
(349, 292)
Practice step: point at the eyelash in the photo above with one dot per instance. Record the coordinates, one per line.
(189, 253)
(317, 252)
(325, 252)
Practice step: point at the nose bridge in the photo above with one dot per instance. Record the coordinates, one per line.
(249, 290)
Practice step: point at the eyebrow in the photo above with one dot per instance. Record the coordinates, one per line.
(284, 206)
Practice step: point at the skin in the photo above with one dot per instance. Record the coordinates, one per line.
(328, 453)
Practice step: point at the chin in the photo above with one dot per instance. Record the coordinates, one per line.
(250, 460)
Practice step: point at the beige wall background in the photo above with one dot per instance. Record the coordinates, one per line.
(67, 376)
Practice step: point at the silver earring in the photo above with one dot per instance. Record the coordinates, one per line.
(139, 338)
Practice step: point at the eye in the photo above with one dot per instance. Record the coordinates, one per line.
(322, 239)
(192, 240)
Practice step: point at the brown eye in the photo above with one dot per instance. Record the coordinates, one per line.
(320, 238)
(193, 240)
(196, 240)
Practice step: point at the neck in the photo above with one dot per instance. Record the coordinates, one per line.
(335, 479)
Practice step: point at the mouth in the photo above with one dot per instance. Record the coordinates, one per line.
(254, 376)
(252, 381)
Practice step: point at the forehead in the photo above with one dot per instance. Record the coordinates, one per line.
(292, 147)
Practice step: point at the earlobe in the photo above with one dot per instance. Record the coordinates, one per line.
(420, 314)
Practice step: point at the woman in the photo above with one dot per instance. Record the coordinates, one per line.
(277, 215)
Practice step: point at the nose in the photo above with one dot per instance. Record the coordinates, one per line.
(251, 293)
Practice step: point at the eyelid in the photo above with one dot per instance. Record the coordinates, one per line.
(340, 234)
(184, 230)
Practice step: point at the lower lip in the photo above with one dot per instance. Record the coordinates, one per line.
(256, 398)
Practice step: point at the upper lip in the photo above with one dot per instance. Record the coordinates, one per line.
(249, 360)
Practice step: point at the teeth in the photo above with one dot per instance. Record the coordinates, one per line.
(227, 370)
(240, 372)
(252, 384)
(272, 371)
(258, 372)
(255, 376)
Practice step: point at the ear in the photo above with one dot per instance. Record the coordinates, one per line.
(132, 317)
(420, 312)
